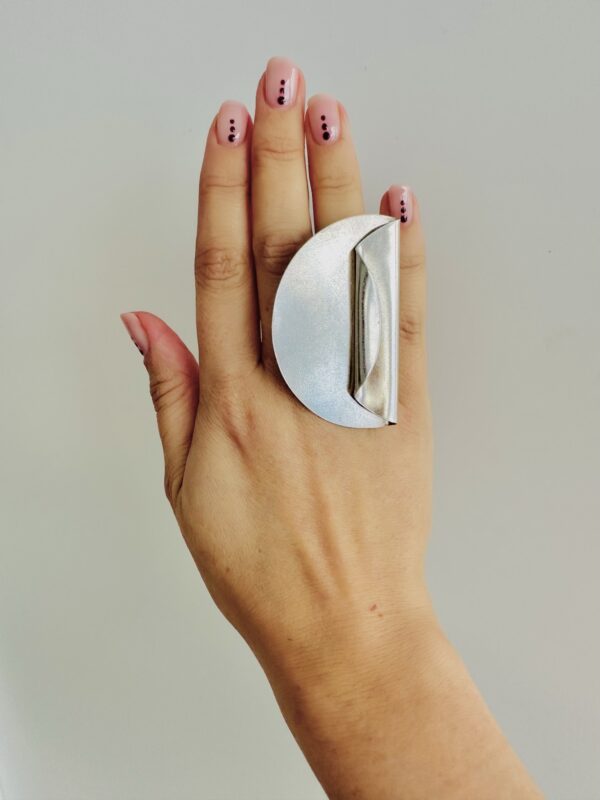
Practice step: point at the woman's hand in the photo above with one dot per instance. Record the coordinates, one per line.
(309, 536)
(297, 525)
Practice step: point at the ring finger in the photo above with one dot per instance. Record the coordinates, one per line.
(332, 162)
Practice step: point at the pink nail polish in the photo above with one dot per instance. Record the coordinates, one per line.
(232, 123)
(324, 118)
(400, 199)
(136, 331)
(281, 82)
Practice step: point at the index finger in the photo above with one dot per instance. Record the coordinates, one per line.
(226, 313)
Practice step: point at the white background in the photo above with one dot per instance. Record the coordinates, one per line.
(118, 679)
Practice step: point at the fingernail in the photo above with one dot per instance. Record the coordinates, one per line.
(400, 199)
(324, 118)
(232, 123)
(281, 82)
(136, 331)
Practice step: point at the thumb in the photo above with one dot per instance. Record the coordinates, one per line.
(173, 372)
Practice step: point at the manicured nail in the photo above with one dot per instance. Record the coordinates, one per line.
(232, 123)
(400, 199)
(324, 118)
(136, 331)
(281, 82)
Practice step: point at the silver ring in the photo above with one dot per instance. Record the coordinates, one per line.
(335, 322)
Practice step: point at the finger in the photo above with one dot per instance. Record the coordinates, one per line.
(173, 375)
(226, 313)
(280, 206)
(400, 202)
(332, 162)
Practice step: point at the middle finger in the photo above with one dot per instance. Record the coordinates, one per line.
(280, 204)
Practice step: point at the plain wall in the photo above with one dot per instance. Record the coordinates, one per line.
(118, 678)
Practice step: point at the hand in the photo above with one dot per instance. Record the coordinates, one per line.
(296, 524)
(309, 536)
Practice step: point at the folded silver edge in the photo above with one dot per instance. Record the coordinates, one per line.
(373, 375)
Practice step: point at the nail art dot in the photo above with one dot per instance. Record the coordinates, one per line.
(282, 90)
(403, 218)
(231, 121)
(231, 137)
(282, 81)
(326, 133)
(232, 128)
(281, 100)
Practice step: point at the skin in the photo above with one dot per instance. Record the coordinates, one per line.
(311, 537)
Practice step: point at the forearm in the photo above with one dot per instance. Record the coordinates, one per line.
(397, 717)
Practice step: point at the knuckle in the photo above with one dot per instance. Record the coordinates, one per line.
(276, 147)
(217, 266)
(236, 415)
(166, 392)
(411, 328)
(273, 251)
(337, 183)
(212, 182)
(412, 261)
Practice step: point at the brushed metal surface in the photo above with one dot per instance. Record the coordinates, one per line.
(335, 323)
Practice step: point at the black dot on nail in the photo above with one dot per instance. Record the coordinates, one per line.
(231, 137)
(324, 126)
(282, 81)
(403, 218)
(322, 116)
(231, 121)
(281, 100)
(326, 135)
(282, 91)
(232, 128)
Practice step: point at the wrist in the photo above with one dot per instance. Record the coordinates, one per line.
(324, 671)
(345, 704)
(375, 710)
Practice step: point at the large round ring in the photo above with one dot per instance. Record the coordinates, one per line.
(335, 322)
